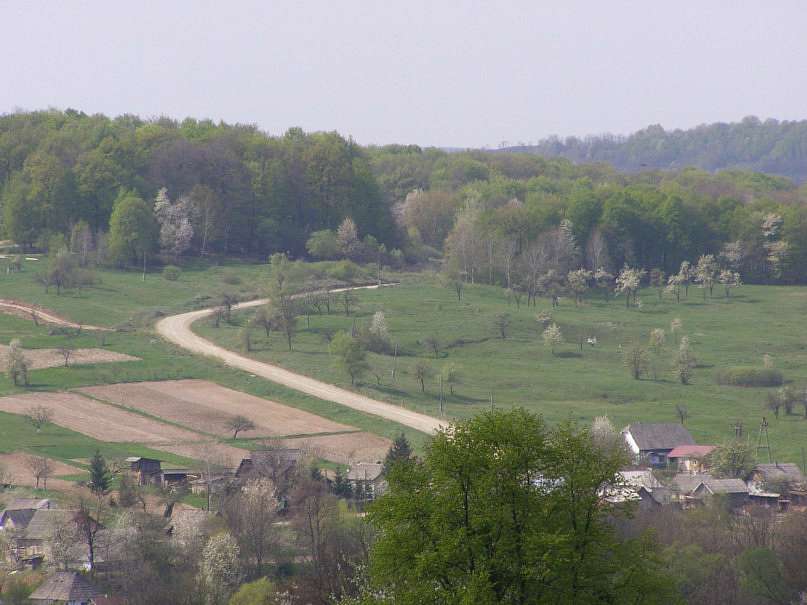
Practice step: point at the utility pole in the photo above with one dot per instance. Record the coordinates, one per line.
(441, 395)
(394, 362)
(763, 436)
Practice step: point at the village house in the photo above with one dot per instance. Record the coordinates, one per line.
(733, 492)
(777, 484)
(690, 458)
(20, 511)
(277, 464)
(174, 477)
(650, 443)
(65, 588)
(367, 480)
(147, 470)
(35, 544)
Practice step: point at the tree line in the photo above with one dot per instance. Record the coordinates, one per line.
(219, 188)
(241, 191)
(752, 144)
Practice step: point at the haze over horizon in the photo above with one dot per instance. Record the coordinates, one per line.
(448, 76)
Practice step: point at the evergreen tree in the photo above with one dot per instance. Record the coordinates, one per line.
(100, 477)
(400, 451)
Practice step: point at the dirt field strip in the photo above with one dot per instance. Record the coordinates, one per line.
(17, 464)
(26, 311)
(109, 423)
(177, 329)
(206, 407)
(345, 448)
(52, 358)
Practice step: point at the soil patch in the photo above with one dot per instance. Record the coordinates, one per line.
(17, 464)
(51, 358)
(205, 406)
(346, 448)
(108, 423)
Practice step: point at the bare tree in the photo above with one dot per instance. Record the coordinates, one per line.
(635, 359)
(65, 351)
(348, 300)
(423, 372)
(682, 412)
(502, 323)
(238, 424)
(252, 514)
(432, 344)
(40, 468)
(39, 416)
(6, 476)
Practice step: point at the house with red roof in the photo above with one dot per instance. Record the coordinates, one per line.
(690, 458)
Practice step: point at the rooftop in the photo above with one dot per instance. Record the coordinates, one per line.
(691, 451)
(659, 436)
(65, 586)
(782, 471)
(44, 522)
(726, 486)
(365, 471)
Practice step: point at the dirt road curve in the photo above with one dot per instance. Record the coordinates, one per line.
(177, 329)
(26, 310)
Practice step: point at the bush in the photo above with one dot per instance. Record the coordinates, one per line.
(231, 279)
(344, 271)
(172, 272)
(750, 377)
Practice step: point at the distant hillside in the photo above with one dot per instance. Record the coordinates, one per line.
(771, 146)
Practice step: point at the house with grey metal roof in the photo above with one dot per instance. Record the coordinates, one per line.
(650, 443)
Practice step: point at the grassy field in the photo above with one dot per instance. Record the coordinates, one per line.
(160, 361)
(119, 295)
(520, 370)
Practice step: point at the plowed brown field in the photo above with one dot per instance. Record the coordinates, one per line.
(205, 406)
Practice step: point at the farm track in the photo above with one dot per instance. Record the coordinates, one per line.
(177, 329)
(25, 310)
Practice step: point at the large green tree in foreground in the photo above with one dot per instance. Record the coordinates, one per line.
(503, 509)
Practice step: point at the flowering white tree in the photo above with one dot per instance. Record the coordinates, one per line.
(220, 569)
(674, 283)
(17, 364)
(729, 279)
(579, 282)
(348, 236)
(685, 276)
(628, 283)
(706, 273)
(378, 326)
(684, 361)
(553, 337)
(176, 230)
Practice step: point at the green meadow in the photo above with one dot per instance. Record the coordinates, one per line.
(575, 382)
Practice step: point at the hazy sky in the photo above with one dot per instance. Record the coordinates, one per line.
(444, 73)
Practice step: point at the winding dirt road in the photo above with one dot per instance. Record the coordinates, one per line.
(177, 329)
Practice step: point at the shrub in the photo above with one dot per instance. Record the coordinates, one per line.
(344, 271)
(172, 272)
(231, 279)
(750, 377)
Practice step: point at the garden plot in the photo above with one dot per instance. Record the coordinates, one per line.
(17, 465)
(206, 407)
(109, 423)
(346, 448)
(53, 358)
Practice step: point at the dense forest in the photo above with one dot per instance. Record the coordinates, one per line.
(198, 187)
(771, 146)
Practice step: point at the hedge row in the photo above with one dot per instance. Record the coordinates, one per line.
(750, 377)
